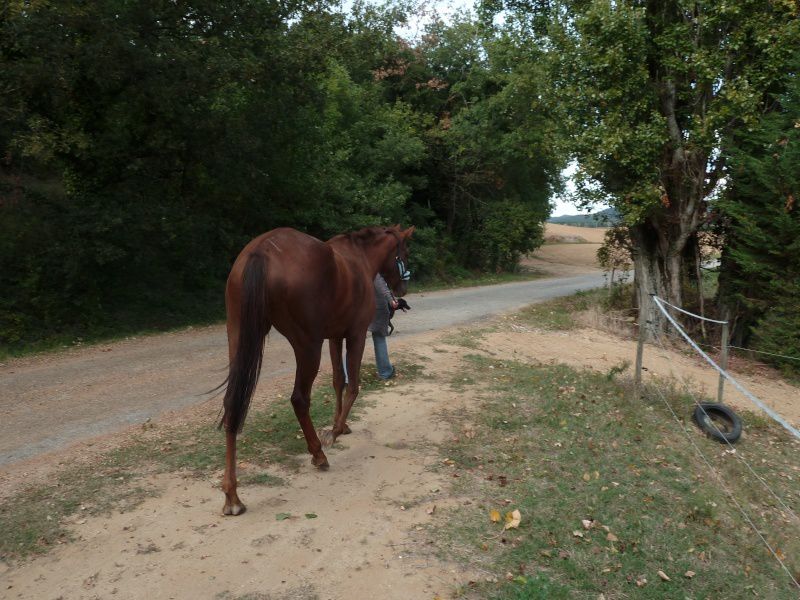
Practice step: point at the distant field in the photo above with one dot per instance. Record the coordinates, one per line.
(567, 250)
(593, 235)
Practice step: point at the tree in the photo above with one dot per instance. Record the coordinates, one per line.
(761, 216)
(649, 92)
(491, 167)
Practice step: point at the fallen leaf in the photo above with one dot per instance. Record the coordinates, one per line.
(431, 510)
(587, 523)
(513, 519)
(664, 576)
(587, 477)
(282, 516)
(577, 533)
(611, 537)
(689, 574)
(311, 516)
(641, 582)
(494, 515)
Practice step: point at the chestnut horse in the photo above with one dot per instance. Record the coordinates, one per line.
(309, 291)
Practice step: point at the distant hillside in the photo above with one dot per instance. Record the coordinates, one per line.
(604, 218)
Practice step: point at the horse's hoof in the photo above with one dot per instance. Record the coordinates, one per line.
(233, 510)
(320, 462)
(326, 437)
(346, 429)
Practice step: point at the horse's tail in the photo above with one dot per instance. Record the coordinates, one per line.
(253, 328)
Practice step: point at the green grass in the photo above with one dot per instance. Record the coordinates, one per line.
(33, 520)
(565, 446)
(139, 319)
(558, 314)
(471, 280)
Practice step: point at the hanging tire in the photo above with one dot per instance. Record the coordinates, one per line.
(718, 422)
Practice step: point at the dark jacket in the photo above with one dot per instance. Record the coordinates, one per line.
(383, 297)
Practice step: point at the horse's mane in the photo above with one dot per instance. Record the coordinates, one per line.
(365, 235)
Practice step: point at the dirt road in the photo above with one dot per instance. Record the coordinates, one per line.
(50, 401)
(364, 529)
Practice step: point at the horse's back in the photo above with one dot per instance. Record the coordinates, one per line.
(299, 275)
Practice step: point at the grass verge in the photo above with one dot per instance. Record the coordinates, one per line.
(36, 518)
(145, 317)
(611, 493)
(559, 313)
(201, 310)
(472, 280)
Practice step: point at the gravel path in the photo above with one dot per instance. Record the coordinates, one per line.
(50, 401)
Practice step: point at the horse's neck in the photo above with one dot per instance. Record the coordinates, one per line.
(376, 254)
(370, 255)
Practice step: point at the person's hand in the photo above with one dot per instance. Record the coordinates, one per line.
(394, 304)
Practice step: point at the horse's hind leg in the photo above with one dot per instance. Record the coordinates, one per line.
(233, 506)
(335, 345)
(308, 358)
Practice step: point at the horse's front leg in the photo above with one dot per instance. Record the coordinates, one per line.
(233, 506)
(338, 368)
(355, 352)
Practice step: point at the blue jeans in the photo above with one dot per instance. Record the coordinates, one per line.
(385, 368)
(382, 362)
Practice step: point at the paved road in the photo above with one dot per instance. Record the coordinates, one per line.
(50, 401)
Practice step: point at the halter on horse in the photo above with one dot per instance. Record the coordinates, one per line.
(309, 291)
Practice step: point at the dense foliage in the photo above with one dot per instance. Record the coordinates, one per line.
(761, 278)
(143, 143)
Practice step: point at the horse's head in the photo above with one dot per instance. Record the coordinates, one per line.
(394, 268)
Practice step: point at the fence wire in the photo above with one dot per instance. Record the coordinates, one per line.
(660, 304)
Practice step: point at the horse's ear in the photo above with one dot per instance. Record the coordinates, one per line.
(407, 233)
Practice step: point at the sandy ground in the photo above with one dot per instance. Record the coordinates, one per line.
(369, 538)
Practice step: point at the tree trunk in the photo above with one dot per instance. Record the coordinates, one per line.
(660, 239)
(648, 272)
(657, 268)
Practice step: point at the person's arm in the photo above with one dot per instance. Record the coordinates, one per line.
(383, 290)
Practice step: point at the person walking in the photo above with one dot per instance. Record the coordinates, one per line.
(385, 305)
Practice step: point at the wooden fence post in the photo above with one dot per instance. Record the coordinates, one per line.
(723, 359)
(644, 317)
